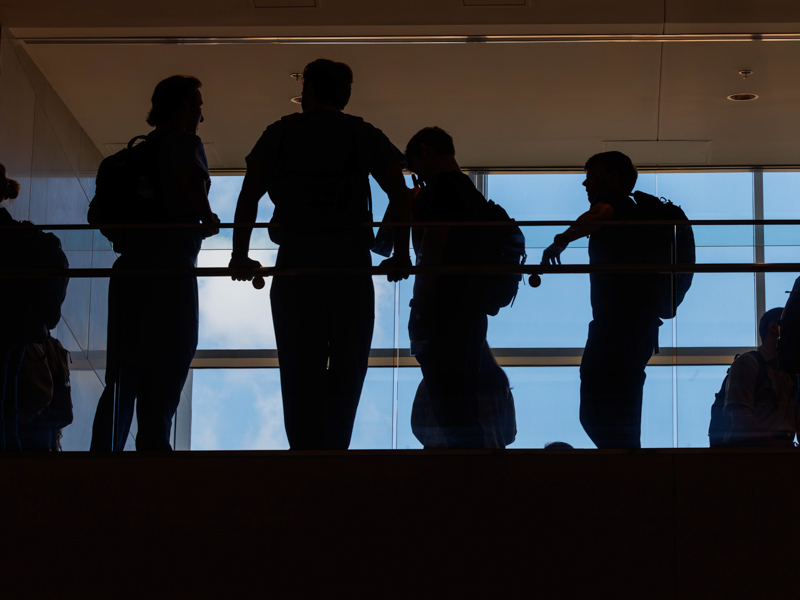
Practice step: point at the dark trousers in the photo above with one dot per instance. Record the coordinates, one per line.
(612, 379)
(10, 360)
(152, 338)
(451, 366)
(323, 330)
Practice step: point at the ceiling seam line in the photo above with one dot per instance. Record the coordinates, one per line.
(660, 88)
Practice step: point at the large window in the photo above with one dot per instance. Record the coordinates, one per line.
(539, 340)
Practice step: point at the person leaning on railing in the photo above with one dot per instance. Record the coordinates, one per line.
(315, 165)
(623, 332)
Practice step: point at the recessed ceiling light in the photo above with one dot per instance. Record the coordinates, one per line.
(297, 99)
(742, 97)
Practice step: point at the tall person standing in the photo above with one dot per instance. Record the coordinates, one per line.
(315, 165)
(153, 319)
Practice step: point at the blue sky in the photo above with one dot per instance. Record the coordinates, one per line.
(241, 409)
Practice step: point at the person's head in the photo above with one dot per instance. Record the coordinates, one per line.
(177, 102)
(558, 446)
(429, 152)
(9, 188)
(768, 325)
(609, 172)
(326, 83)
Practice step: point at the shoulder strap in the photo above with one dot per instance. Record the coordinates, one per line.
(761, 378)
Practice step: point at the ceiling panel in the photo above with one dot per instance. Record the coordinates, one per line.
(697, 79)
(505, 104)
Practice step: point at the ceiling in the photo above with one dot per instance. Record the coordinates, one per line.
(506, 104)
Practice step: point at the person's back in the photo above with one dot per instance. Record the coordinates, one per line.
(761, 404)
(315, 167)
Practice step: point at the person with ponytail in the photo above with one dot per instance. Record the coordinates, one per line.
(11, 348)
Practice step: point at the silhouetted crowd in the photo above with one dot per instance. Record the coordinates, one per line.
(315, 167)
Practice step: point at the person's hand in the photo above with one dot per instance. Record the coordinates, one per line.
(416, 189)
(552, 255)
(244, 263)
(400, 265)
(212, 228)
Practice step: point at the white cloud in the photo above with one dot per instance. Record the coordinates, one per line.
(233, 314)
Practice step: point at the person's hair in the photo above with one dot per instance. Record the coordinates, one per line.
(773, 315)
(9, 188)
(332, 81)
(558, 446)
(616, 162)
(169, 96)
(435, 137)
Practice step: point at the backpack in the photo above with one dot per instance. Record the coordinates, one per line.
(668, 245)
(502, 245)
(36, 302)
(718, 426)
(127, 190)
(43, 379)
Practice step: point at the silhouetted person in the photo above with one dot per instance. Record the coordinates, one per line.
(152, 320)
(447, 325)
(12, 348)
(315, 167)
(624, 330)
(761, 399)
(29, 306)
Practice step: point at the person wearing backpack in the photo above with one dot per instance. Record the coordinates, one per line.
(448, 321)
(315, 165)
(759, 399)
(153, 319)
(623, 332)
(30, 306)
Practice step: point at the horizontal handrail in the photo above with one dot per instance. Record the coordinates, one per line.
(554, 223)
(531, 38)
(414, 270)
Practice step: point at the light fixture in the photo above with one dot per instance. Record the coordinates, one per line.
(297, 99)
(742, 97)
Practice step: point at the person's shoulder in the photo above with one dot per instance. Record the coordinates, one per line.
(745, 363)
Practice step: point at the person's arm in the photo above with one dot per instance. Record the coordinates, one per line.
(253, 189)
(590, 222)
(392, 182)
(192, 184)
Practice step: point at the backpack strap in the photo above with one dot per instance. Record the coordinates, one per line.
(762, 376)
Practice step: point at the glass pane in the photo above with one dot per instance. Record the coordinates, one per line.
(697, 386)
(242, 409)
(712, 196)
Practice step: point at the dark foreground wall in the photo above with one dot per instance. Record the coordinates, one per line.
(580, 524)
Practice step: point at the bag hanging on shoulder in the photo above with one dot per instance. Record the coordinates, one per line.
(719, 425)
(501, 245)
(669, 244)
(127, 190)
(36, 303)
(43, 380)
